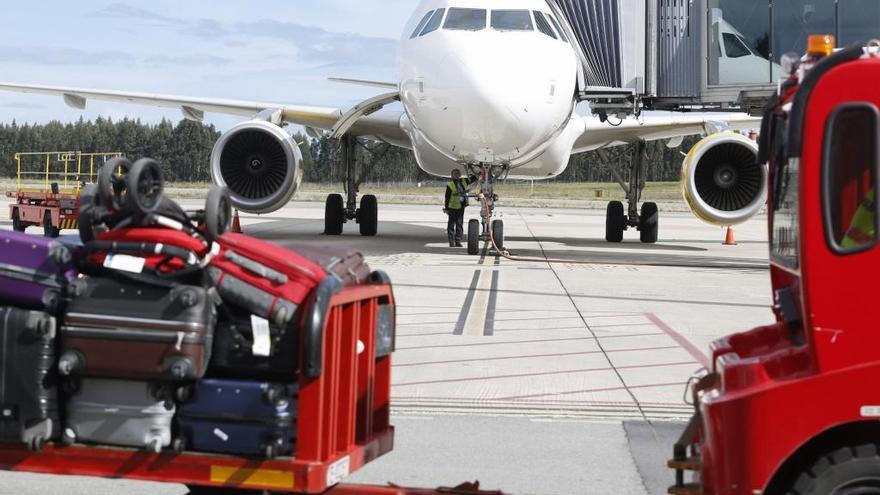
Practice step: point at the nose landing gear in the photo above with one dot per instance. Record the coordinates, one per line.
(479, 230)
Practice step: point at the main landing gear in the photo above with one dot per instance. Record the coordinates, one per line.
(478, 229)
(646, 219)
(339, 210)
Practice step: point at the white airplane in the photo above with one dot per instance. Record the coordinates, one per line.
(487, 85)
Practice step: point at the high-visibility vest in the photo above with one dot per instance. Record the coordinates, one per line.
(457, 199)
(861, 229)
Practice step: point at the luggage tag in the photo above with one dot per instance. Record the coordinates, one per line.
(262, 337)
(125, 263)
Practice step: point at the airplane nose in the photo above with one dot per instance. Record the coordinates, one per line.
(492, 105)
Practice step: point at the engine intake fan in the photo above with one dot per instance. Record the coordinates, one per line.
(722, 182)
(260, 165)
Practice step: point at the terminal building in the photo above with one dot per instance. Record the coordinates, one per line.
(722, 54)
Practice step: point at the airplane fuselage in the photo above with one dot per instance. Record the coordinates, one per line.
(482, 82)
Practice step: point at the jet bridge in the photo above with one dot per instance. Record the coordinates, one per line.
(699, 54)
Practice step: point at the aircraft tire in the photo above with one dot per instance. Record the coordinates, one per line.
(498, 233)
(615, 222)
(649, 220)
(473, 237)
(334, 215)
(368, 216)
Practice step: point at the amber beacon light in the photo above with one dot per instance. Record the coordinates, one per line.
(820, 45)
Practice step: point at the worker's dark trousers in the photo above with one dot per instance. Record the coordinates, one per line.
(455, 226)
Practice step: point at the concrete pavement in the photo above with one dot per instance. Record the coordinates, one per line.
(534, 377)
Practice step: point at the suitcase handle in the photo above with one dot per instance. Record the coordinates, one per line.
(314, 326)
(186, 255)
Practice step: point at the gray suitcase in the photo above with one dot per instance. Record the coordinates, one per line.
(119, 412)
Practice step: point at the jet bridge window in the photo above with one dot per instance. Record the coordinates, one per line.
(421, 25)
(512, 20)
(466, 19)
(850, 181)
(543, 25)
(434, 23)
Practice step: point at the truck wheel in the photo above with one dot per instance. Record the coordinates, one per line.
(847, 471)
(49, 230)
(16, 221)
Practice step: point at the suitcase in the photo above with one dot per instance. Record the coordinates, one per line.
(28, 384)
(35, 272)
(260, 277)
(238, 353)
(238, 417)
(119, 412)
(121, 329)
(347, 264)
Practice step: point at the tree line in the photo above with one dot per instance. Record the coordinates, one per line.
(184, 149)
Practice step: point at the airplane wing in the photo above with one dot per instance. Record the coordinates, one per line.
(381, 125)
(654, 126)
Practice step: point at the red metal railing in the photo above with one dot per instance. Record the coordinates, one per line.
(342, 424)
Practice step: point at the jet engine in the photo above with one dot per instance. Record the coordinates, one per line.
(722, 181)
(260, 164)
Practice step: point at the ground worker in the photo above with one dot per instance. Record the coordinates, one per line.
(861, 229)
(456, 202)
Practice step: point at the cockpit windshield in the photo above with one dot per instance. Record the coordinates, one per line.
(466, 19)
(512, 20)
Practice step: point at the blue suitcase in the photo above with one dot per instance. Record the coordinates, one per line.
(238, 417)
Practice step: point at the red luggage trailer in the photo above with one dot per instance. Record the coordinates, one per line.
(47, 188)
(342, 421)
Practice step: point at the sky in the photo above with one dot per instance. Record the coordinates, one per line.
(264, 50)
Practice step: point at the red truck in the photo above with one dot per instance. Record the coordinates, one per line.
(790, 408)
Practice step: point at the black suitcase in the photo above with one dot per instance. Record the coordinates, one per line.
(28, 383)
(123, 329)
(237, 354)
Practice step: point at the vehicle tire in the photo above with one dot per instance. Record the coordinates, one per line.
(334, 215)
(473, 237)
(17, 225)
(49, 230)
(218, 212)
(615, 222)
(368, 216)
(498, 233)
(847, 471)
(145, 183)
(112, 186)
(649, 221)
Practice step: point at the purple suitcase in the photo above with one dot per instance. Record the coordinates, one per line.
(35, 272)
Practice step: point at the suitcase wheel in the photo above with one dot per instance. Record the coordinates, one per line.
(181, 369)
(273, 395)
(45, 326)
(68, 437)
(70, 362)
(179, 444)
(270, 451)
(154, 445)
(189, 298)
(36, 444)
(184, 393)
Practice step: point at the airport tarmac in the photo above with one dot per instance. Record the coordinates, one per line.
(534, 378)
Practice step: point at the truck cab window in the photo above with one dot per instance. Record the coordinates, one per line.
(850, 178)
(466, 19)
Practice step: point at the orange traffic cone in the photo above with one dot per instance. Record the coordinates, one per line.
(729, 240)
(236, 223)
